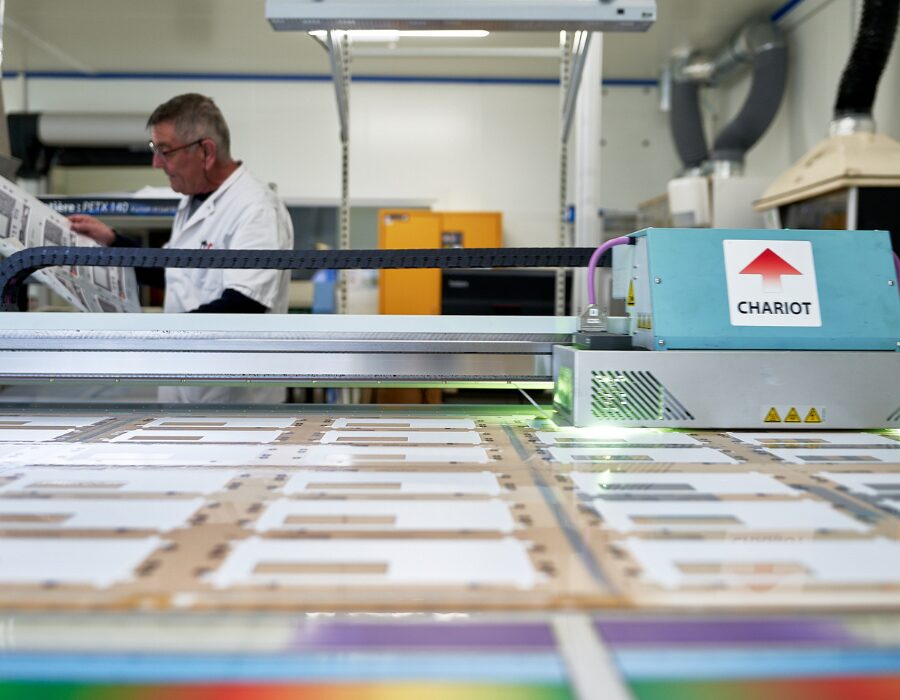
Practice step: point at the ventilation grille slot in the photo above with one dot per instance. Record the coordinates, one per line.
(895, 416)
(633, 396)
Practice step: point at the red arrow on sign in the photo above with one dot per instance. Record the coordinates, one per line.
(771, 266)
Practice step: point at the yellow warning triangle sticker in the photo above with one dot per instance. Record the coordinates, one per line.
(772, 416)
(792, 416)
(630, 301)
(813, 416)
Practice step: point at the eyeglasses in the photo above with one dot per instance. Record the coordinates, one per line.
(166, 152)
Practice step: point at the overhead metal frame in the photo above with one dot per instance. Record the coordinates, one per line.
(580, 16)
(506, 15)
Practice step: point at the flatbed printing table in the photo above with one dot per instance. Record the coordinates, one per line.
(454, 550)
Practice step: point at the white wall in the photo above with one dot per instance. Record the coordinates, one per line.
(466, 147)
(488, 146)
(638, 156)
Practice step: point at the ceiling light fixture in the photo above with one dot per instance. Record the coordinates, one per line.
(499, 15)
(396, 34)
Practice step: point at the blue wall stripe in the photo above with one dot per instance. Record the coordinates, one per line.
(311, 78)
(776, 16)
(784, 10)
(237, 77)
(630, 82)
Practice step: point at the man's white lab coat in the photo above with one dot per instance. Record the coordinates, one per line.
(242, 214)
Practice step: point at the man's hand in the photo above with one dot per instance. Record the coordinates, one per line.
(92, 228)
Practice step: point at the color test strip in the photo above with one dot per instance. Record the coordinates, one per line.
(533, 636)
(731, 631)
(90, 669)
(667, 663)
(273, 691)
(858, 688)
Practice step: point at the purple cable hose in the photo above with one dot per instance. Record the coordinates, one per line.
(896, 268)
(592, 265)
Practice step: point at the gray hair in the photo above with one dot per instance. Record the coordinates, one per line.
(194, 117)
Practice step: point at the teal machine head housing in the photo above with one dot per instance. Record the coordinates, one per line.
(745, 329)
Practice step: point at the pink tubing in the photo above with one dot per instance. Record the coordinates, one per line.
(592, 265)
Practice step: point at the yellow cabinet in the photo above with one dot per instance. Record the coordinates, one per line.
(419, 291)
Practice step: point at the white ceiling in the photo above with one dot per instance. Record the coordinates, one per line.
(232, 36)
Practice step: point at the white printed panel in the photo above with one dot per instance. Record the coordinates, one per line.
(55, 421)
(676, 484)
(253, 437)
(377, 562)
(642, 516)
(837, 455)
(677, 455)
(680, 563)
(359, 455)
(771, 283)
(803, 439)
(150, 454)
(574, 437)
(445, 483)
(30, 434)
(400, 437)
(84, 514)
(97, 562)
(221, 422)
(405, 423)
(72, 480)
(9, 450)
(335, 516)
(877, 484)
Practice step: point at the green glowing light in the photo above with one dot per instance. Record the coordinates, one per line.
(565, 385)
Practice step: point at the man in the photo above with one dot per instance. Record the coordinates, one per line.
(224, 208)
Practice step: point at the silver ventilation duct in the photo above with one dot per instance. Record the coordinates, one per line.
(760, 47)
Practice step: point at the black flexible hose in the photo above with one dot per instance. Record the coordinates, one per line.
(874, 39)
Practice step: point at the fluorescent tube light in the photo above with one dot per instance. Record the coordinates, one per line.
(396, 34)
